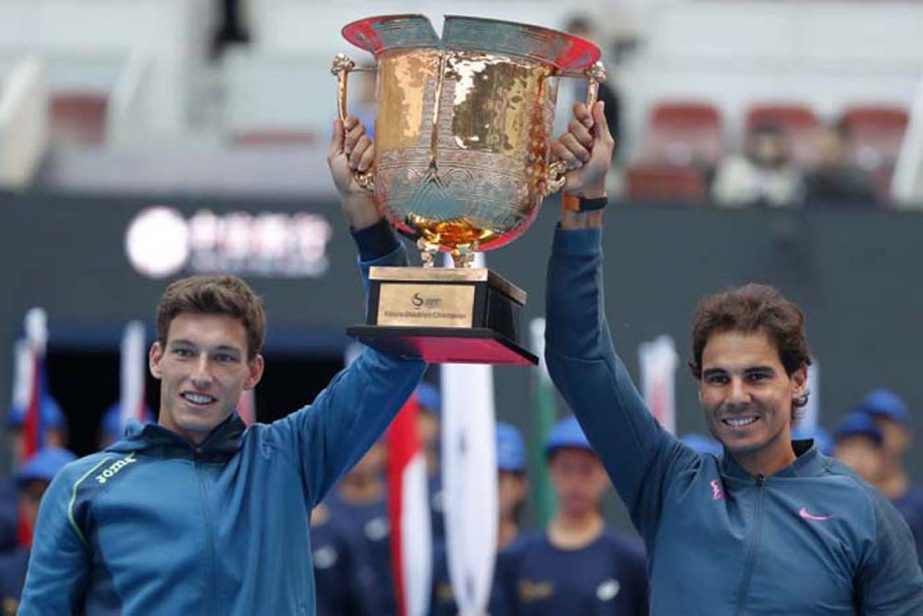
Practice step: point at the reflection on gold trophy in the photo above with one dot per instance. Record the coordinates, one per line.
(462, 163)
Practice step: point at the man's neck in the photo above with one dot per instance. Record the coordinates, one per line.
(573, 532)
(766, 462)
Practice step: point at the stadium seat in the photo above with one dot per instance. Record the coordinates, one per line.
(78, 118)
(877, 132)
(797, 120)
(682, 134)
(657, 182)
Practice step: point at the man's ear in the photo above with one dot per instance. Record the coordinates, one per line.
(153, 359)
(255, 368)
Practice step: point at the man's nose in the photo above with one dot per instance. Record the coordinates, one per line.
(201, 376)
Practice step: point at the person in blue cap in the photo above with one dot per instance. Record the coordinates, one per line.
(891, 415)
(53, 425)
(858, 445)
(111, 429)
(512, 487)
(773, 526)
(32, 480)
(342, 569)
(578, 565)
(429, 400)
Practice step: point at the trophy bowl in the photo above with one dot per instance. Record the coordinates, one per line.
(463, 135)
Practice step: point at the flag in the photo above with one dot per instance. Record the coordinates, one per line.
(132, 369)
(544, 415)
(246, 407)
(36, 326)
(408, 513)
(658, 361)
(469, 479)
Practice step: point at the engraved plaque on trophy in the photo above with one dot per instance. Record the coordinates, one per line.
(462, 163)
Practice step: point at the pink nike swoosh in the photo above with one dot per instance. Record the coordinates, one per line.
(817, 518)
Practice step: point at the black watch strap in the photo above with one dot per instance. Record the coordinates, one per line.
(591, 205)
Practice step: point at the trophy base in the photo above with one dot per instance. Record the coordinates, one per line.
(443, 345)
(443, 315)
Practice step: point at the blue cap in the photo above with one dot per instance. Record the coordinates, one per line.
(428, 397)
(822, 439)
(858, 424)
(886, 403)
(567, 433)
(112, 420)
(511, 451)
(50, 410)
(702, 444)
(44, 465)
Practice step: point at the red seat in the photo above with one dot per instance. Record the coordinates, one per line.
(275, 137)
(798, 121)
(683, 133)
(78, 117)
(876, 132)
(655, 182)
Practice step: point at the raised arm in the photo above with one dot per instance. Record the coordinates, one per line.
(327, 438)
(59, 563)
(638, 454)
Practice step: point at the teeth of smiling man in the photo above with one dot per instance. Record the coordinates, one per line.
(738, 422)
(198, 398)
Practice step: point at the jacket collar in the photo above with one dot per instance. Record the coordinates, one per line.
(222, 442)
(808, 462)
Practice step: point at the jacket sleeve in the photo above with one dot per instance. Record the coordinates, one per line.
(59, 563)
(639, 455)
(328, 437)
(890, 580)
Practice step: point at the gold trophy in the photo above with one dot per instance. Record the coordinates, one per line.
(462, 163)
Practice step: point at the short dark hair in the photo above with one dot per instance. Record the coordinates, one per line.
(223, 295)
(753, 308)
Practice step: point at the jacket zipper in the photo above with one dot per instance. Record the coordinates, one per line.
(209, 531)
(754, 544)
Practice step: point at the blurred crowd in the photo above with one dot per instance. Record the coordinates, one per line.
(579, 562)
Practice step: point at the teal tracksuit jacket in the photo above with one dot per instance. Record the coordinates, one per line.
(153, 525)
(810, 539)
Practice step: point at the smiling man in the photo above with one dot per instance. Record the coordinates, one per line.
(770, 527)
(199, 514)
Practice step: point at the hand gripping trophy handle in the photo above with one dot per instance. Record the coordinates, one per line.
(342, 67)
(557, 170)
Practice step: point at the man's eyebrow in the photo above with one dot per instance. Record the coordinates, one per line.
(712, 371)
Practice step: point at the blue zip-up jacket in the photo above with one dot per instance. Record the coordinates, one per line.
(153, 525)
(810, 539)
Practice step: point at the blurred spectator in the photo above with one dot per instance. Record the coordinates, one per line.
(53, 423)
(430, 403)
(765, 176)
(32, 479)
(341, 567)
(361, 503)
(703, 444)
(111, 429)
(582, 26)
(231, 28)
(578, 565)
(511, 497)
(836, 180)
(859, 445)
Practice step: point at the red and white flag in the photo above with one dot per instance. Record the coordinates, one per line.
(246, 407)
(36, 326)
(409, 514)
(132, 369)
(658, 360)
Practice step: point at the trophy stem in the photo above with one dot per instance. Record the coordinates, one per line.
(463, 256)
(427, 252)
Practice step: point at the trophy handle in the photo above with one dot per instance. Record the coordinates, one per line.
(557, 170)
(342, 67)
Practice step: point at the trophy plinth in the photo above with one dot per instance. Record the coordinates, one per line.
(441, 315)
(462, 163)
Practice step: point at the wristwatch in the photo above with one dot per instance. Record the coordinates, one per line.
(573, 203)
